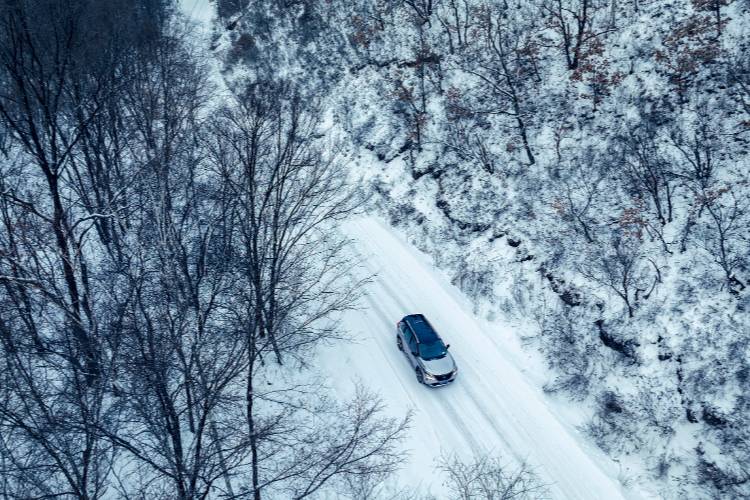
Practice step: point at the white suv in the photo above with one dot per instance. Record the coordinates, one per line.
(425, 350)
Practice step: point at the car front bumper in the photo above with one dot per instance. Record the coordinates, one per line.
(433, 382)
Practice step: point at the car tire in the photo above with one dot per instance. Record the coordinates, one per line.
(420, 376)
(399, 343)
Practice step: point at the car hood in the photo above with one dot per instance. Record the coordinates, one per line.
(439, 366)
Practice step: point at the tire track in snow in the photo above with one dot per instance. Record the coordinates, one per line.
(481, 407)
(386, 355)
(477, 400)
(521, 414)
(465, 434)
(464, 384)
(385, 319)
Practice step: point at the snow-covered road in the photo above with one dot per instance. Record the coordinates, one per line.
(491, 406)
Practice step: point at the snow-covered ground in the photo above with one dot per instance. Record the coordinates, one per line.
(496, 405)
(491, 407)
(199, 11)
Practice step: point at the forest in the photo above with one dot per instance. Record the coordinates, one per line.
(579, 165)
(169, 257)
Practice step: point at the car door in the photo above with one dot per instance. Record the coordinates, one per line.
(410, 344)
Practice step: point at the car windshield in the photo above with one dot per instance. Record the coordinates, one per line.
(432, 350)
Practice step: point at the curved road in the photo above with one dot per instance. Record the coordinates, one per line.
(490, 407)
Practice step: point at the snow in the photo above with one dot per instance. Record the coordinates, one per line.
(199, 11)
(490, 408)
(496, 404)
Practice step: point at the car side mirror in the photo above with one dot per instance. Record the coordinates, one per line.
(447, 346)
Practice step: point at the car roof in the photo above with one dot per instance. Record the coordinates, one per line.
(421, 328)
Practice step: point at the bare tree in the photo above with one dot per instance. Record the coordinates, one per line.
(700, 157)
(331, 444)
(456, 17)
(574, 21)
(182, 357)
(48, 412)
(738, 70)
(726, 237)
(469, 144)
(155, 254)
(61, 308)
(39, 65)
(288, 195)
(581, 181)
(422, 9)
(505, 71)
(647, 171)
(487, 478)
(620, 269)
(713, 7)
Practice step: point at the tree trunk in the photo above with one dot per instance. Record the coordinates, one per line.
(249, 397)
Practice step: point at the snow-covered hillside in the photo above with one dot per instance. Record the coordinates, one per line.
(579, 166)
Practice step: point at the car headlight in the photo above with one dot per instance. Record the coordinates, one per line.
(429, 376)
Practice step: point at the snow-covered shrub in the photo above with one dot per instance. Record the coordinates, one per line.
(614, 425)
(568, 342)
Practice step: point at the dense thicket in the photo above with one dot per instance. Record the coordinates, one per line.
(588, 161)
(161, 250)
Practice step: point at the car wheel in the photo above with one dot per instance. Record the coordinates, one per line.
(420, 376)
(399, 343)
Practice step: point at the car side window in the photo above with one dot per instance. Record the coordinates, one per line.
(404, 331)
(410, 339)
